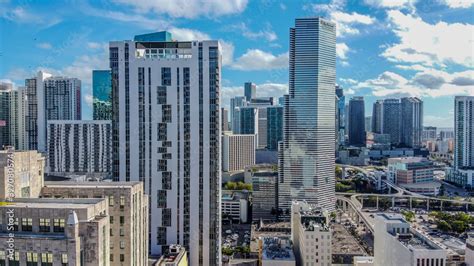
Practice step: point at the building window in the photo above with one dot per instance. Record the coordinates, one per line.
(64, 260)
(111, 219)
(122, 220)
(111, 201)
(31, 259)
(122, 244)
(122, 232)
(58, 225)
(46, 259)
(111, 232)
(166, 76)
(45, 225)
(122, 203)
(16, 259)
(111, 257)
(26, 224)
(122, 257)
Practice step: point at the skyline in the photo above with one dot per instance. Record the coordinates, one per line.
(379, 50)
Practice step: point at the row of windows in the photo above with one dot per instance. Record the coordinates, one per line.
(44, 225)
(32, 259)
(122, 220)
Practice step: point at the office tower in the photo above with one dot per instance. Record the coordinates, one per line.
(395, 243)
(274, 126)
(238, 151)
(429, 133)
(250, 91)
(411, 122)
(249, 121)
(127, 211)
(5, 120)
(225, 119)
(264, 195)
(340, 116)
(57, 98)
(391, 119)
(311, 234)
(56, 232)
(377, 117)
(368, 124)
(281, 100)
(80, 146)
(357, 121)
(308, 149)
(101, 90)
(262, 129)
(261, 101)
(235, 104)
(167, 133)
(446, 134)
(463, 168)
(18, 112)
(21, 172)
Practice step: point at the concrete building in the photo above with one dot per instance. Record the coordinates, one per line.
(175, 256)
(357, 135)
(463, 172)
(235, 104)
(80, 146)
(377, 117)
(391, 119)
(306, 160)
(225, 119)
(55, 232)
(167, 133)
(409, 170)
(363, 261)
(235, 206)
(411, 122)
(250, 91)
(249, 122)
(238, 151)
(264, 195)
(5, 120)
(127, 210)
(310, 234)
(18, 113)
(340, 116)
(102, 98)
(21, 174)
(276, 251)
(429, 133)
(368, 124)
(396, 244)
(469, 254)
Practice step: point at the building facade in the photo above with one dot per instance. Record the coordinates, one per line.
(166, 132)
(357, 135)
(307, 157)
(238, 151)
(274, 126)
(264, 196)
(391, 119)
(250, 91)
(340, 116)
(79, 146)
(101, 90)
(5, 120)
(235, 104)
(127, 211)
(377, 117)
(225, 119)
(411, 122)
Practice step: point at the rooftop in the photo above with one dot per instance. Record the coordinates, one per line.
(414, 241)
(391, 217)
(277, 248)
(88, 184)
(160, 36)
(52, 203)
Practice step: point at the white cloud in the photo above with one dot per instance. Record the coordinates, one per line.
(183, 34)
(263, 90)
(341, 50)
(22, 16)
(88, 99)
(415, 67)
(255, 59)
(348, 81)
(458, 3)
(188, 8)
(96, 45)
(267, 34)
(398, 4)
(430, 44)
(44, 45)
(227, 52)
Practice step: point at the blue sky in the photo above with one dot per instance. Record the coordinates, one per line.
(384, 48)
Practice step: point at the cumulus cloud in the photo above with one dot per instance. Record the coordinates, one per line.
(267, 33)
(188, 8)
(21, 15)
(255, 59)
(398, 4)
(458, 3)
(341, 50)
(429, 44)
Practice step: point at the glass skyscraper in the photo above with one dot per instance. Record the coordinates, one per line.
(307, 156)
(357, 121)
(274, 126)
(101, 89)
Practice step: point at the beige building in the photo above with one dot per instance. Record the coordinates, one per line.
(238, 151)
(176, 256)
(127, 210)
(54, 232)
(21, 174)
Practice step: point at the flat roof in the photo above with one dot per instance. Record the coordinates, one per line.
(52, 203)
(90, 184)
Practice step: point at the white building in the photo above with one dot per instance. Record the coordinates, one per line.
(238, 151)
(166, 133)
(310, 234)
(396, 244)
(235, 206)
(79, 146)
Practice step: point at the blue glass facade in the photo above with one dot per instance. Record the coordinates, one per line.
(101, 89)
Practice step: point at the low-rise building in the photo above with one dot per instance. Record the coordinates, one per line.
(276, 251)
(175, 256)
(21, 173)
(235, 206)
(395, 243)
(55, 232)
(127, 210)
(311, 234)
(408, 170)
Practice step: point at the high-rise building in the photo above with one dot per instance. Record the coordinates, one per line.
(429, 133)
(57, 98)
(411, 122)
(238, 151)
(80, 146)
(274, 126)
(5, 119)
(463, 172)
(340, 116)
(225, 119)
(377, 117)
(264, 195)
(357, 121)
(307, 162)
(167, 133)
(250, 91)
(127, 211)
(249, 121)
(101, 90)
(235, 104)
(395, 243)
(368, 124)
(18, 111)
(391, 119)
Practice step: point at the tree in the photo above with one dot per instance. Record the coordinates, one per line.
(227, 251)
(459, 226)
(409, 215)
(443, 226)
